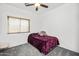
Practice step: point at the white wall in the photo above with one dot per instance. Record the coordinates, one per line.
(0, 16)
(62, 22)
(16, 39)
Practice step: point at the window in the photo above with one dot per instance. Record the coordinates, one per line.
(18, 25)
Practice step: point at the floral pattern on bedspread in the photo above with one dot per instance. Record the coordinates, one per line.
(43, 43)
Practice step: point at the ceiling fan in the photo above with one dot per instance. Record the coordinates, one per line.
(36, 5)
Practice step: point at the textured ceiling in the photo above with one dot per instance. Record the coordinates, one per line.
(41, 10)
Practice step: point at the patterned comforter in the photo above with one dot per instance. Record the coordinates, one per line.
(43, 43)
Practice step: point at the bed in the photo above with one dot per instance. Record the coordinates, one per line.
(43, 43)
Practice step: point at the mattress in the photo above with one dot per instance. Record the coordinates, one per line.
(43, 43)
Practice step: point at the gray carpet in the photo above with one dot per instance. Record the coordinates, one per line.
(29, 50)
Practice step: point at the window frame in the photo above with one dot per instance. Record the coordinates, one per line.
(19, 25)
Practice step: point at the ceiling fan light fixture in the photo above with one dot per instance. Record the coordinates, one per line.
(37, 4)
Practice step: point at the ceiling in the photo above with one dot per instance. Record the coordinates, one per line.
(51, 6)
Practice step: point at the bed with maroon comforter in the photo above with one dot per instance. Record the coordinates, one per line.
(43, 43)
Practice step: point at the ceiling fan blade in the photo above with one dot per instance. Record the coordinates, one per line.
(36, 8)
(44, 5)
(27, 4)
